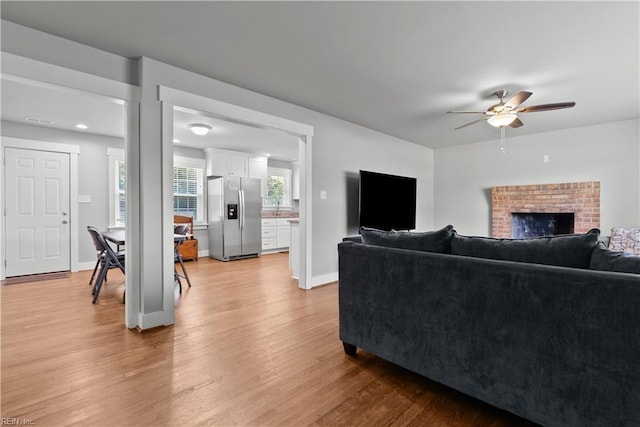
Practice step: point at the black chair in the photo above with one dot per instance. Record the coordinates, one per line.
(108, 259)
(182, 229)
(99, 256)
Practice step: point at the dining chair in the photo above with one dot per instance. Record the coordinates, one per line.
(108, 260)
(99, 256)
(182, 229)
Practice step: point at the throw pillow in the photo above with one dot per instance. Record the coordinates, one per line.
(608, 260)
(625, 240)
(431, 241)
(572, 250)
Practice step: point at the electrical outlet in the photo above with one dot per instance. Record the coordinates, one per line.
(545, 158)
(323, 194)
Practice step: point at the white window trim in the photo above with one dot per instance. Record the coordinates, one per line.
(192, 162)
(288, 174)
(116, 154)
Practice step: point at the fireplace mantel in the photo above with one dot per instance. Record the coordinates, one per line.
(580, 198)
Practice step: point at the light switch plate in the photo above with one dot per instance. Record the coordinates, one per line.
(323, 194)
(84, 198)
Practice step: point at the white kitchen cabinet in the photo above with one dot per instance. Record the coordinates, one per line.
(269, 229)
(238, 165)
(283, 233)
(224, 162)
(276, 234)
(258, 169)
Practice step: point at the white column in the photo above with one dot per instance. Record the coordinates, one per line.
(149, 246)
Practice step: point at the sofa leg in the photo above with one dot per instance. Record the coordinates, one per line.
(349, 349)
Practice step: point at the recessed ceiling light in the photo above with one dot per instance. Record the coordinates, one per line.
(32, 119)
(82, 126)
(176, 141)
(267, 154)
(199, 128)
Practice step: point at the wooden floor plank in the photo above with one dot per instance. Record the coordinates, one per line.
(249, 349)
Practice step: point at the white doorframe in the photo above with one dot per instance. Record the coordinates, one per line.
(73, 151)
(303, 131)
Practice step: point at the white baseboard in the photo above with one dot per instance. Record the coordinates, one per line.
(204, 253)
(323, 279)
(151, 320)
(87, 265)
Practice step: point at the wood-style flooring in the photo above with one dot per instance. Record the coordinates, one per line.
(248, 349)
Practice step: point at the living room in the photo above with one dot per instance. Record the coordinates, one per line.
(455, 169)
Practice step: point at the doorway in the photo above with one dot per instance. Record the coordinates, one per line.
(37, 190)
(172, 98)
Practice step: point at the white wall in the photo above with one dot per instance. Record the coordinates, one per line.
(92, 176)
(607, 153)
(342, 151)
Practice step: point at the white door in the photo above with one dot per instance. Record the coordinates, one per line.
(37, 212)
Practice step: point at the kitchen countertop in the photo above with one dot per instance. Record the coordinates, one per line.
(274, 214)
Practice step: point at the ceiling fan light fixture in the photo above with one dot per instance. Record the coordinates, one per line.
(199, 128)
(502, 120)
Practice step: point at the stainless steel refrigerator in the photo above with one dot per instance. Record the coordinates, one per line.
(235, 225)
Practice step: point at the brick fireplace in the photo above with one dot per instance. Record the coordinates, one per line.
(580, 198)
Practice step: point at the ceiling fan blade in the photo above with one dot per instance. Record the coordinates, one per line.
(516, 123)
(471, 123)
(545, 107)
(517, 99)
(467, 112)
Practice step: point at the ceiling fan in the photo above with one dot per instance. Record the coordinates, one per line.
(506, 113)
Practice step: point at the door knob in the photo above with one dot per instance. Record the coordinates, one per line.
(64, 221)
(64, 213)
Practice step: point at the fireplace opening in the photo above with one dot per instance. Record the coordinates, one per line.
(533, 224)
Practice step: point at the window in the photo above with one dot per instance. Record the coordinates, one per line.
(188, 187)
(117, 187)
(278, 188)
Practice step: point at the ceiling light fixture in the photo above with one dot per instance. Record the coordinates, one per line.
(502, 119)
(199, 128)
(82, 126)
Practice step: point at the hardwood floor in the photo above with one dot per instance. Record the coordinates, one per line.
(249, 348)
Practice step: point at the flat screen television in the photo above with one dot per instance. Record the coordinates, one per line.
(387, 202)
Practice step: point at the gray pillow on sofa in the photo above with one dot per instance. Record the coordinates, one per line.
(608, 260)
(572, 250)
(431, 241)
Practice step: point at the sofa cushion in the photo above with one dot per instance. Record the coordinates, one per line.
(431, 241)
(608, 260)
(625, 240)
(572, 250)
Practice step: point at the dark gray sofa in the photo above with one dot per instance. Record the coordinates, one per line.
(557, 345)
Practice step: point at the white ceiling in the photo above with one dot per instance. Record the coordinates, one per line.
(233, 136)
(396, 67)
(44, 105)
